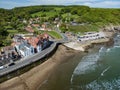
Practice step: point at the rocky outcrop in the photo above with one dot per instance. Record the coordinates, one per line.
(112, 28)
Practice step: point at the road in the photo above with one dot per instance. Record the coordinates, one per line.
(33, 58)
(28, 60)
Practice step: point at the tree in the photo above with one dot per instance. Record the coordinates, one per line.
(63, 28)
(3, 35)
(3, 32)
(43, 15)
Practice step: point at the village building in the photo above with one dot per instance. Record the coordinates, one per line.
(28, 46)
(44, 27)
(35, 25)
(22, 47)
(29, 29)
(8, 54)
(91, 36)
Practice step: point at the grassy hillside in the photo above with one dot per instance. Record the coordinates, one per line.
(92, 18)
(83, 28)
(53, 34)
(82, 14)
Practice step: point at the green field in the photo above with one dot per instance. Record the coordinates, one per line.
(53, 34)
(68, 15)
(12, 31)
(16, 32)
(46, 14)
(83, 28)
(58, 8)
(90, 19)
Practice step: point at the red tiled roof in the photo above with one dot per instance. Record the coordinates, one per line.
(33, 41)
(46, 35)
(44, 25)
(29, 29)
(35, 25)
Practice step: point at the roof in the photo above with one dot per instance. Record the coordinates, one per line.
(33, 41)
(8, 48)
(44, 25)
(46, 35)
(29, 29)
(35, 25)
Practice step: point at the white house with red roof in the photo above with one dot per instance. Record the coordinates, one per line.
(31, 45)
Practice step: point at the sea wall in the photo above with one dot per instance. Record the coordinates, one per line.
(84, 46)
(38, 75)
(28, 60)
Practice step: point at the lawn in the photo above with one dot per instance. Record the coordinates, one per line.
(51, 13)
(16, 32)
(53, 34)
(48, 14)
(12, 31)
(70, 15)
(83, 28)
(58, 8)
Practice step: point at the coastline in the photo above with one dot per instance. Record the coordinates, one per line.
(27, 61)
(36, 76)
(84, 46)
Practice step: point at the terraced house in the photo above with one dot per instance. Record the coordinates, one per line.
(26, 46)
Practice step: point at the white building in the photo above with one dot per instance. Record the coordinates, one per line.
(39, 48)
(91, 36)
(25, 49)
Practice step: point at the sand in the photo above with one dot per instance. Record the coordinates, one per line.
(32, 79)
(38, 75)
(83, 46)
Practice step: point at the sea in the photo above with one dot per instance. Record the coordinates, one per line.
(97, 70)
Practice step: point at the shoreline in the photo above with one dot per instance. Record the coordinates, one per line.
(30, 81)
(85, 46)
(27, 61)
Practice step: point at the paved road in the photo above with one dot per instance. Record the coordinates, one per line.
(62, 34)
(33, 58)
(28, 60)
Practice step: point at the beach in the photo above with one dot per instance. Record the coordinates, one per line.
(34, 78)
(85, 45)
(38, 75)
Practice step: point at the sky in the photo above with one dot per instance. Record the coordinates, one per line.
(8, 4)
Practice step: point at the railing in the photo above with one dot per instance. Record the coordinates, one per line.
(28, 60)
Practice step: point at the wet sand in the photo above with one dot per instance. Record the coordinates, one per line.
(84, 46)
(38, 75)
(34, 78)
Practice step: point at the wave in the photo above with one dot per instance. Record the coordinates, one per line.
(88, 63)
(102, 74)
(102, 51)
(104, 85)
(116, 46)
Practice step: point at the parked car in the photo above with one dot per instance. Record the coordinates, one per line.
(1, 67)
(11, 64)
